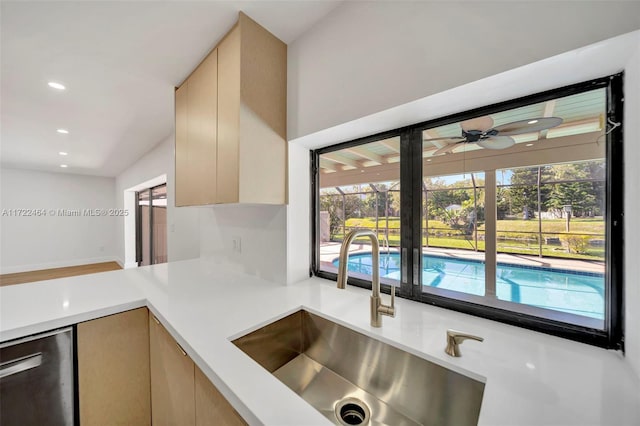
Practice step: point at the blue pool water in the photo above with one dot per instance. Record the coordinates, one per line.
(580, 293)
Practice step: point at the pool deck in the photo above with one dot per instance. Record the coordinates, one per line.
(330, 251)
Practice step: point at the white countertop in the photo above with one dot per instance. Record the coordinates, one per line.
(531, 378)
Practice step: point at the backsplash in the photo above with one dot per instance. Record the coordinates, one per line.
(259, 231)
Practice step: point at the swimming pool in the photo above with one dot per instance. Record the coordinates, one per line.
(580, 293)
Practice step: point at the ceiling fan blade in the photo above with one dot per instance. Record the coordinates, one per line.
(453, 138)
(479, 123)
(497, 142)
(528, 126)
(445, 149)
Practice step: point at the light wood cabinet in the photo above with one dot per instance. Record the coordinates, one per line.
(132, 372)
(172, 379)
(180, 392)
(249, 161)
(196, 135)
(211, 407)
(113, 369)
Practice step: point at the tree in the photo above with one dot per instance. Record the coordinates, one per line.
(523, 192)
(340, 206)
(332, 203)
(442, 196)
(576, 187)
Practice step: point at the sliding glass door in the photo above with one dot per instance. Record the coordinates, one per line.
(151, 226)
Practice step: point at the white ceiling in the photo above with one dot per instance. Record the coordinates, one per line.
(120, 62)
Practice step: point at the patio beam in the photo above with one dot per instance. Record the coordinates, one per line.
(549, 108)
(395, 147)
(365, 153)
(337, 158)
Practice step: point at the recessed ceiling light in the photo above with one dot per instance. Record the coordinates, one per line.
(63, 153)
(64, 166)
(55, 85)
(532, 122)
(529, 144)
(63, 131)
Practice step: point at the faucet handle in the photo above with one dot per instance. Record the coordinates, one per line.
(455, 338)
(392, 308)
(389, 310)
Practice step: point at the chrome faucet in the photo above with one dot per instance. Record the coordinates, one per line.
(455, 338)
(377, 308)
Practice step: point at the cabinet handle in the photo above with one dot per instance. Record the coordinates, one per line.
(181, 350)
(21, 364)
(177, 344)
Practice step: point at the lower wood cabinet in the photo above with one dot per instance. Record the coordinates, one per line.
(180, 393)
(211, 407)
(132, 372)
(113, 370)
(172, 379)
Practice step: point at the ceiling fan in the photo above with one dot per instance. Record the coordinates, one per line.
(481, 131)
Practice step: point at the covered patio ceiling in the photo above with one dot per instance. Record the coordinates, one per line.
(583, 123)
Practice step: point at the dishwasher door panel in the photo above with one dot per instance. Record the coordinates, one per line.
(37, 380)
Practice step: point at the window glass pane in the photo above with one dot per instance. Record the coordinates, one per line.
(143, 232)
(513, 211)
(159, 225)
(551, 218)
(549, 215)
(360, 189)
(452, 225)
(560, 226)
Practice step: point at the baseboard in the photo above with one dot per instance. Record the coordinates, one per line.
(52, 265)
(129, 265)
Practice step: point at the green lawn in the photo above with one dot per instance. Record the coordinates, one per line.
(514, 236)
(577, 225)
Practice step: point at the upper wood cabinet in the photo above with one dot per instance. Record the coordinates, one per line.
(196, 135)
(231, 142)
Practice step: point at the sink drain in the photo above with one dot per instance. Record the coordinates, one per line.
(352, 411)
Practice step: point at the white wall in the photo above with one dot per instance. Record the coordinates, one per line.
(632, 209)
(262, 234)
(51, 241)
(207, 232)
(354, 73)
(365, 57)
(182, 222)
(298, 211)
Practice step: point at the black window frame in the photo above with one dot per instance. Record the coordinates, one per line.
(612, 336)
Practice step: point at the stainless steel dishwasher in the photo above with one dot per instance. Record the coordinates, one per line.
(37, 380)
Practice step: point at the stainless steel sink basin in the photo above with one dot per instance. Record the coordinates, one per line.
(353, 379)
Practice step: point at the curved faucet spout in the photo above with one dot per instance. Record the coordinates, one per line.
(344, 256)
(377, 308)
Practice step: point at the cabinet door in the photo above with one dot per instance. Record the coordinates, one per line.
(202, 129)
(113, 369)
(211, 407)
(229, 117)
(172, 379)
(185, 186)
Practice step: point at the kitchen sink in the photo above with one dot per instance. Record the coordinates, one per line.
(353, 379)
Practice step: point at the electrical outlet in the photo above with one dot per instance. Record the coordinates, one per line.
(101, 248)
(237, 245)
